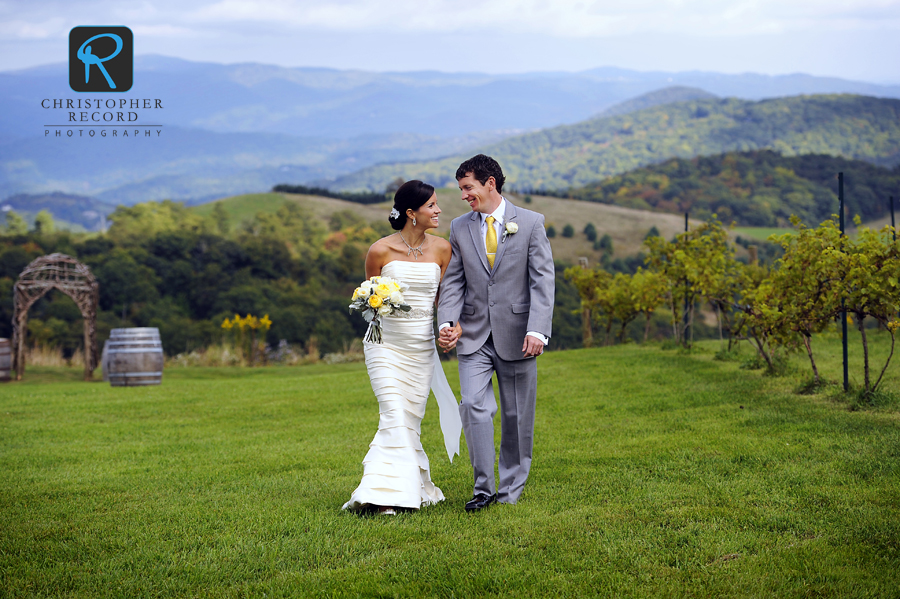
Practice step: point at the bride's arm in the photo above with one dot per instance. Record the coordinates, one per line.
(444, 253)
(375, 259)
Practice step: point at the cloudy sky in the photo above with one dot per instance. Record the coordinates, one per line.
(858, 39)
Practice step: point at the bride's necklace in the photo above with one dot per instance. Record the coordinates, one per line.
(413, 250)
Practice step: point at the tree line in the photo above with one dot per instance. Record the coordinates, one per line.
(761, 189)
(778, 309)
(162, 265)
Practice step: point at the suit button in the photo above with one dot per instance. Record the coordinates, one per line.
(491, 284)
(492, 303)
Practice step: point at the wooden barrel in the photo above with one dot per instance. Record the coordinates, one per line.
(135, 357)
(5, 360)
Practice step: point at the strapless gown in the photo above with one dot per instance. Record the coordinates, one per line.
(395, 470)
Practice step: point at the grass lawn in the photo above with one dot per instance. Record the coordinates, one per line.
(655, 474)
(760, 233)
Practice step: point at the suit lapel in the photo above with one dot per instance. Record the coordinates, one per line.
(475, 230)
(509, 215)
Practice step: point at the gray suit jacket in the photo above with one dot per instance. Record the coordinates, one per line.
(514, 298)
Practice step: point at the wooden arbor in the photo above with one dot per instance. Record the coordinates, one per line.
(56, 271)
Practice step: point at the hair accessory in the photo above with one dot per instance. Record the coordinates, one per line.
(395, 214)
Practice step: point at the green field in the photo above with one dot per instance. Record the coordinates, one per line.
(656, 474)
(760, 233)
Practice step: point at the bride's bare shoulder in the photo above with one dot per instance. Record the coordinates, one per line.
(441, 245)
(383, 246)
(379, 253)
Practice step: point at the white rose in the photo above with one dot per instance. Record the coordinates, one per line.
(511, 228)
(396, 298)
(364, 291)
(385, 309)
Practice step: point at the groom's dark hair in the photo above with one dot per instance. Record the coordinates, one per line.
(482, 168)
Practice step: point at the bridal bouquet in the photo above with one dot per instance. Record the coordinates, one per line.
(377, 297)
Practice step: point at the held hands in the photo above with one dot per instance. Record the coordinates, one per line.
(532, 346)
(449, 336)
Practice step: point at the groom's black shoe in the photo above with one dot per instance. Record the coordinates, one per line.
(480, 501)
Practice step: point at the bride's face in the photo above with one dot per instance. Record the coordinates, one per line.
(428, 213)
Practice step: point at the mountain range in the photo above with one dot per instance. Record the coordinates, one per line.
(558, 158)
(228, 129)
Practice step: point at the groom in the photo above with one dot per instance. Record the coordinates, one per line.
(499, 289)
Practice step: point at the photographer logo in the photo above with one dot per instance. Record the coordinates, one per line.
(101, 59)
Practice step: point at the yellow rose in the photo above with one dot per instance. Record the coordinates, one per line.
(375, 301)
(395, 286)
(383, 290)
(355, 294)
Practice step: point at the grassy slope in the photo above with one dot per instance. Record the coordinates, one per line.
(655, 474)
(627, 227)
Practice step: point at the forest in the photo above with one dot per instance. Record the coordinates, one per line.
(162, 265)
(757, 189)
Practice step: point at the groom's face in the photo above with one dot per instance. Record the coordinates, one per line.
(477, 195)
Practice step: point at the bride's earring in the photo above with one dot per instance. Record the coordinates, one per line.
(414, 221)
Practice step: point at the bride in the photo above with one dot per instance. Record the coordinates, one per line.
(405, 366)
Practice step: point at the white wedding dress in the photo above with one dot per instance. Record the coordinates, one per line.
(396, 471)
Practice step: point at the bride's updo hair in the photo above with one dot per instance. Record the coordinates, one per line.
(412, 195)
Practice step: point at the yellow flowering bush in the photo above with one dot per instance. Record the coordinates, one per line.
(248, 344)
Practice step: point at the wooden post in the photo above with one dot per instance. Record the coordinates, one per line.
(88, 351)
(587, 335)
(687, 322)
(754, 257)
(21, 333)
(843, 307)
(893, 222)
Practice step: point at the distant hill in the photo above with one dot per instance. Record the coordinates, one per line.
(761, 189)
(859, 127)
(184, 164)
(242, 128)
(667, 95)
(343, 104)
(626, 227)
(68, 210)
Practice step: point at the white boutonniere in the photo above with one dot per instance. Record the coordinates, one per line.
(510, 229)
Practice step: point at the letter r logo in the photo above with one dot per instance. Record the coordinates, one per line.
(101, 59)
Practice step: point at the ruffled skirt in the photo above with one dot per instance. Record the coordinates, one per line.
(395, 469)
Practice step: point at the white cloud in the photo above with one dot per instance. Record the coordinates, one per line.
(559, 18)
(32, 30)
(163, 31)
(556, 18)
(821, 36)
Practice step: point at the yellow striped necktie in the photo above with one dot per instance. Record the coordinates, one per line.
(490, 241)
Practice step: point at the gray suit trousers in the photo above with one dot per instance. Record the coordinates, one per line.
(517, 381)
